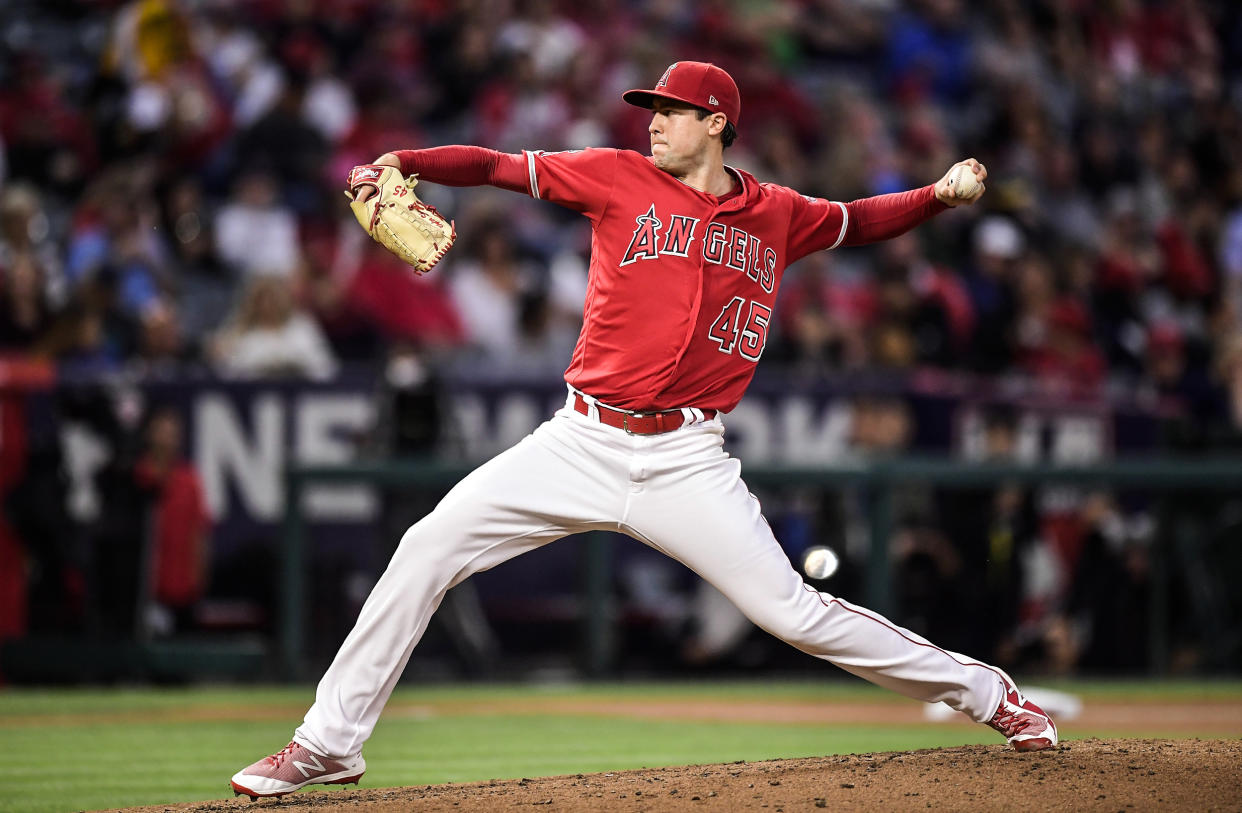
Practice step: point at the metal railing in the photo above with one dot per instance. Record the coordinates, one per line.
(879, 478)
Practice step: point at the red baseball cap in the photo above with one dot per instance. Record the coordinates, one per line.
(701, 84)
(1070, 315)
(1165, 336)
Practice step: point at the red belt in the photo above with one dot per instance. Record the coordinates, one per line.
(638, 423)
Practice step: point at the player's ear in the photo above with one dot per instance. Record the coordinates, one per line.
(716, 124)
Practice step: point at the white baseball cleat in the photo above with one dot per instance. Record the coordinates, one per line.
(1024, 724)
(294, 767)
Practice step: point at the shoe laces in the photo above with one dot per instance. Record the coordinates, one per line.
(1010, 723)
(280, 755)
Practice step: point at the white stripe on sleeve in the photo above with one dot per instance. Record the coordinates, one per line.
(530, 169)
(845, 224)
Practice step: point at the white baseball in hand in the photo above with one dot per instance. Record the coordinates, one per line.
(964, 181)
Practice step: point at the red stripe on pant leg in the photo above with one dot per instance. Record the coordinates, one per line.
(897, 630)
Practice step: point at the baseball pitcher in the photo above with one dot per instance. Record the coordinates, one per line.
(687, 258)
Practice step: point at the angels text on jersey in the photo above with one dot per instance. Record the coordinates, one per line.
(728, 246)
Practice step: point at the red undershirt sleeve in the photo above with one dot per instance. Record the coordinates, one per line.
(460, 165)
(884, 216)
(817, 224)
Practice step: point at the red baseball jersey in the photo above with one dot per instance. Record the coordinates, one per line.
(682, 283)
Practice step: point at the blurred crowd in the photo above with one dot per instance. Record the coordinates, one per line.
(172, 173)
(171, 176)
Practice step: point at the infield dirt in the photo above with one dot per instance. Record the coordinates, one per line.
(1090, 774)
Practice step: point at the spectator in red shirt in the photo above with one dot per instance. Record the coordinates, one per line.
(180, 526)
(1067, 355)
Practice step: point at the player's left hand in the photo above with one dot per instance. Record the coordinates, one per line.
(385, 206)
(359, 186)
(962, 184)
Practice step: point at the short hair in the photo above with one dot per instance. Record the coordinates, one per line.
(730, 132)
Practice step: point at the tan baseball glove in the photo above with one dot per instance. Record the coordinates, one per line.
(396, 219)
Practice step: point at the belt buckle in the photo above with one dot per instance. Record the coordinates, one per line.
(625, 421)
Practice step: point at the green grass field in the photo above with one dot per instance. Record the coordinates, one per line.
(63, 750)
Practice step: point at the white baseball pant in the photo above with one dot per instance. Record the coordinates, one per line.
(678, 492)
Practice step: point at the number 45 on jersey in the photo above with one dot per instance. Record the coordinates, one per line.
(746, 335)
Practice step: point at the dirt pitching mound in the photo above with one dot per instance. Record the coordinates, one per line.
(1088, 774)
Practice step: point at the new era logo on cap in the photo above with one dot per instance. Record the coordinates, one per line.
(701, 84)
